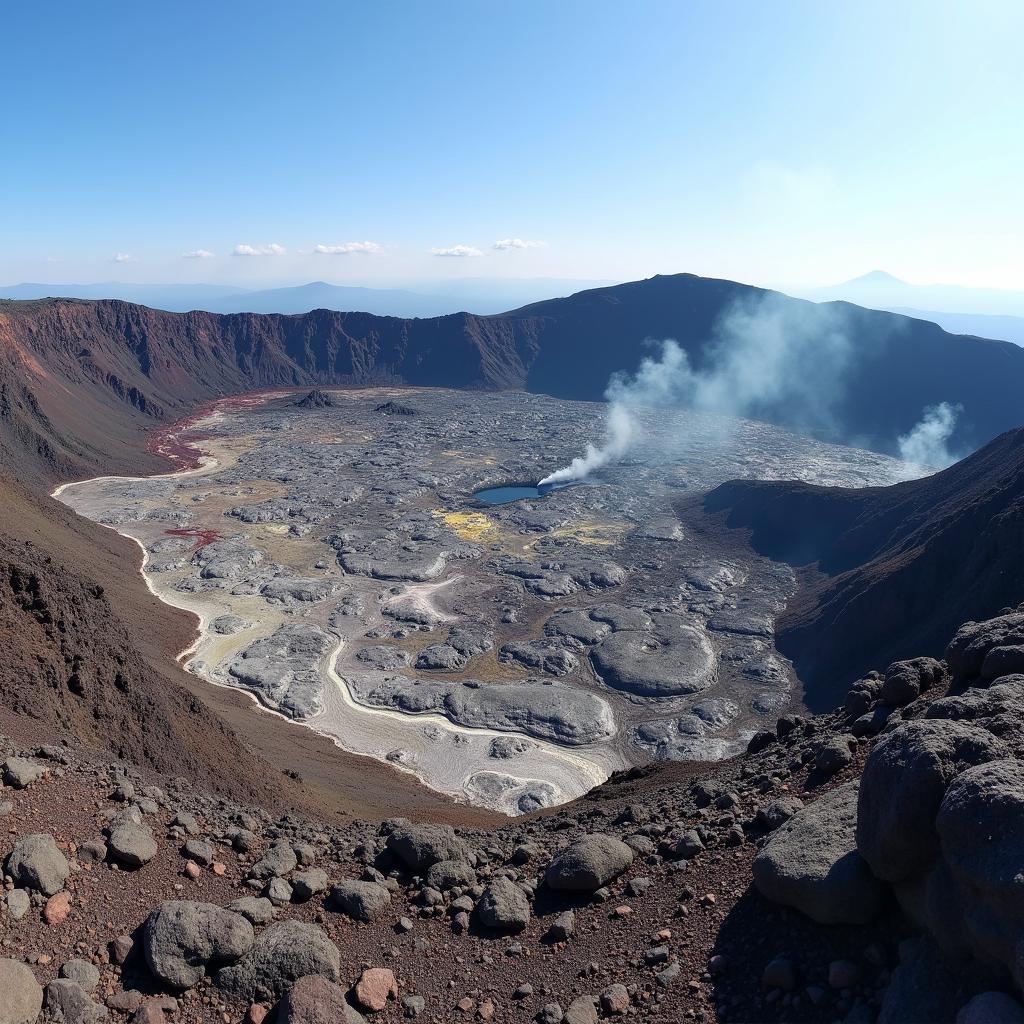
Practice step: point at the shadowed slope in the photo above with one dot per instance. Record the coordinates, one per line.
(890, 572)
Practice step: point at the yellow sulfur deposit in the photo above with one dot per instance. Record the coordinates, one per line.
(471, 526)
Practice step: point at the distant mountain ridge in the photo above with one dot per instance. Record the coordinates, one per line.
(438, 298)
(75, 374)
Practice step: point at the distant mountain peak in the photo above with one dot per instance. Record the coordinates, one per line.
(875, 277)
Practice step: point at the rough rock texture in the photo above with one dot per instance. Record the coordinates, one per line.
(36, 863)
(420, 846)
(280, 956)
(811, 863)
(183, 940)
(22, 995)
(503, 906)
(905, 779)
(588, 864)
(315, 1000)
(365, 901)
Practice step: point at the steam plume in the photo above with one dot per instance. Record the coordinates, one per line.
(764, 356)
(620, 432)
(927, 443)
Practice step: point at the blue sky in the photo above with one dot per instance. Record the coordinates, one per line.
(799, 143)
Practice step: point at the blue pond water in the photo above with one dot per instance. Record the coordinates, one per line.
(503, 495)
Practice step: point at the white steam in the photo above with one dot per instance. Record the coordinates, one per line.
(621, 430)
(926, 445)
(766, 355)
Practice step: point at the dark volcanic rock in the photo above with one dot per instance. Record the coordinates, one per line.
(588, 864)
(812, 863)
(316, 399)
(281, 955)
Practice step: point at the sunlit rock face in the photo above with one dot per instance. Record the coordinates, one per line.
(348, 576)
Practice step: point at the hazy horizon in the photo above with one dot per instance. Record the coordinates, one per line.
(797, 145)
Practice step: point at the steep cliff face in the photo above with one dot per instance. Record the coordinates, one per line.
(67, 366)
(71, 665)
(80, 380)
(888, 572)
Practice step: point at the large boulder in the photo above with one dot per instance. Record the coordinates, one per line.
(811, 863)
(281, 955)
(36, 863)
(996, 709)
(20, 772)
(22, 994)
(905, 681)
(315, 1000)
(419, 846)
(277, 862)
(905, 778)
(132, 845)
(503, 906)
(981, 830)
(365, 901)
(588, 864)
(447, 874)
(66, 1002)
(968, 650)
(182, 941)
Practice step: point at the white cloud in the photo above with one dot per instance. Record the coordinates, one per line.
(347, 247)
(517, 243)
(260, 250)
(457, 250)
(124, 257)
(197, 254)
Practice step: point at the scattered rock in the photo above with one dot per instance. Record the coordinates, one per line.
(132, 845)
(589, 864)
(22, 995)
(376, 985)
(36, 863)
(183, 940)
(811, 863)
(365, 901)
(503, 906)
(315, 1000)
(280, 956)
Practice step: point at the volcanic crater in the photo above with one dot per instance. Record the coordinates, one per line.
(348, 575)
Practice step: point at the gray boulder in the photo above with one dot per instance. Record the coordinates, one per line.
(18, 903)
(365, 901)
(905, 778)
(419, 846)
(308, 883)
(22, 995)
(278, 861)
(20, 772)
(905, 681)
(811, 863)
(981, 831)
(36, 863)
(281, 955)
(447, 874)
(588, 864)
(503, 906)
(66, 1002)
(81, 971)
(991, 1008)
(968, 650)
(132, 845)
(257, 909)
(315, 1000)
(182, 941)
(923, 986)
